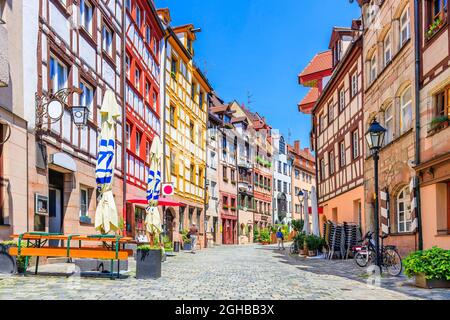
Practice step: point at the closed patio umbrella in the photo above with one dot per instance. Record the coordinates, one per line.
(306, 213)
(315, 212)
(106, 217)
(153, 218)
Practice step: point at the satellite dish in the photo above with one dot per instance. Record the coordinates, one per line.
(55, 110)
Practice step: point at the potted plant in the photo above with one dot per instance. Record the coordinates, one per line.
(314, 243)
(264, 236)
(434, 27)
(187, 242)
(431, 268)
(148, 262)
(440, 122)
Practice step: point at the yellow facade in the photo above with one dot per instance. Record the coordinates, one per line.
(186, 119)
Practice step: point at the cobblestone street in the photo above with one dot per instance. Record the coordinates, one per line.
(246, 272)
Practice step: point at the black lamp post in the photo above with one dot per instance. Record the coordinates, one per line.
(300, 195)
(375, 139)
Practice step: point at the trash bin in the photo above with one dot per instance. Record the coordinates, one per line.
(176, 246)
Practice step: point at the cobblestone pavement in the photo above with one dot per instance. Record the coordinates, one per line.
(348, 269)
(245, 272)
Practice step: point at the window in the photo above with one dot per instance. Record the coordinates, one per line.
(148, 35)
(84, 202)
(192, 173)
(354, 89)
(138, 17)
(87, 98)
(128, 133)
(355, 144)
(173, 67)
(193, 86)
(405, 28)
(128, 4)
(322, 118)
(404, 218)
(405, 111)
(200, 99)
(58, 75)
(284, 168)
(285, 187)
(322, 169)
(108, 41)
(147, 151)
(387, 49)
(155, 101)
(87, 16)
(389, 125)
(442, 103)
(331, 162)
(173, 166)
(181, 222)
(279, 185)
(437, 10)
(282, 146)
(373, 68)
(342, 154)
(137, 78)
(279, 166)
(224, 174)
(128, 62)
(191, 131)
(147, 90)
(172, 116)
(138, 143)
(341, 100)
(233, 175)
(297, 174)
(330, 112)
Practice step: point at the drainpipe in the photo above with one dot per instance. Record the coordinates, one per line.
(162, 89)
(417, 111)
(124, 118)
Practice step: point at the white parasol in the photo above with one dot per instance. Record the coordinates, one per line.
(315, 212)
(106, 217)
(153, 218)
(306, 213)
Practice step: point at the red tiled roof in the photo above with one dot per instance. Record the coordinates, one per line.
(309, 100)
(321, 62)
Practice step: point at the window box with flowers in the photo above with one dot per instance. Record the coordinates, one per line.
(233, 208)
(439, 123)
(434, 27)
(225, 207)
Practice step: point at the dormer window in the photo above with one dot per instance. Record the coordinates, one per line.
(337, 52)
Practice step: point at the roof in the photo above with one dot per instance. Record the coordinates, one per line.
(239, 119)
(321, 62)
(307, 104)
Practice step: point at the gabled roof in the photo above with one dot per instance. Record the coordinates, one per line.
(337, 33)
(307, 104)
(322, 62)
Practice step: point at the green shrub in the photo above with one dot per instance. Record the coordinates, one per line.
(147, 247)
(297, 225)
(434, 263)
(314, 242)
(264, 235)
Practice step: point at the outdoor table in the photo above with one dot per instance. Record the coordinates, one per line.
(36, 246)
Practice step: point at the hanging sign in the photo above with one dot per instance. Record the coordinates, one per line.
(168, 189)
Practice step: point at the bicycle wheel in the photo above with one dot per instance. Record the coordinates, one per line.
(294, 248)
(393, 262)
(361, 258)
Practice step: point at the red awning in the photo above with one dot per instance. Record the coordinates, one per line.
(320, 210)
(162, 202)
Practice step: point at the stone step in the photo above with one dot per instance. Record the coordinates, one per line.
(56, 260)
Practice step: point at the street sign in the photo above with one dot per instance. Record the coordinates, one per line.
(168, 189)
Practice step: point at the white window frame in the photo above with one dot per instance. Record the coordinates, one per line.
(405, 106)
(342, 160)
(128, 135)
(341, 100)
(86, 213)
(108, 39)
(138, 17)
(55, 78)
(404, 218)
(389, 124)
(137, 79)
(387, 45)
(355, 144)
(354, 83)
(138, 143)
(405, 26)
(373, 68)
(87, 20)
(84, 98)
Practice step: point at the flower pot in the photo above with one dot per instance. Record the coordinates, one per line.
(312, 253)
(303, 252)
(7, 263)
(423, 282)
(187, 246)
(176, 246)
(148, 264)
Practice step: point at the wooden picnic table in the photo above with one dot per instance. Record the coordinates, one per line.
(37, 246)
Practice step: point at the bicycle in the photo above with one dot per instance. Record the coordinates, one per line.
(294, 249)
(390, 258)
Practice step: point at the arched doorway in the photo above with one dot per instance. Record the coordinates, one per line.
(282, 208)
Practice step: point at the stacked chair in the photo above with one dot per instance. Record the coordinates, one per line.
(341, 238)
(351, 237)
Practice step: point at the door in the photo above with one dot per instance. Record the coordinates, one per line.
(55, 214)
(215, 229)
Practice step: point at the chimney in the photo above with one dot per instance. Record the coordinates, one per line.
(307, 150)
(297, 146)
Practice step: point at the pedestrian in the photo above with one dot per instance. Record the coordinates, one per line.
(193, 233)
(280, 239)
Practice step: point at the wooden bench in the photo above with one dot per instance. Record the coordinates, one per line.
(36, 247)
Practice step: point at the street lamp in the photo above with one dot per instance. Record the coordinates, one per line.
(300, 195)
(375, 139)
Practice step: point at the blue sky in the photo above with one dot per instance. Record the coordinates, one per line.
(260, 46)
